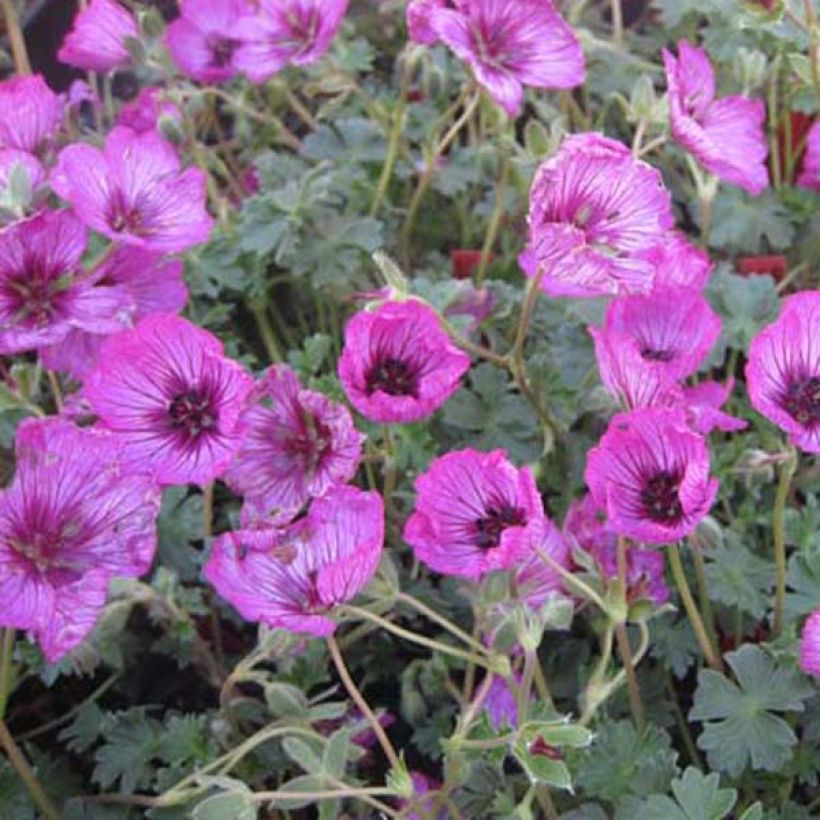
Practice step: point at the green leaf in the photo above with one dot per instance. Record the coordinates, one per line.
(286, 700)
(739, 578)
(739, 727)
(180, 522)
(131, 742)
(304, 754)
(233, 805)
(336, 753)
(542, 769)
(804, 583)
(621, 762)
(749, 224)
(701, 797)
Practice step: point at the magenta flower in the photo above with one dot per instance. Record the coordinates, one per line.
(286, 31)
(783, 371)
(673, 328)
(134, 191)
(97, 40)
(703, 403)
(298, 445)
(810, 645)
(501, 705)
(510, 44)
(154, 285)
(44, 293)
(143, 113)
(201, 40)
(535, 580)
(475, 513)
(32, 114)
(169, 391)
(586, 527)
(628, 377)
(726, 136)
(595, 214)
(679, 263)
(650, 473)
(398, 365)
(810, 175)
(72, 519)
(292, 578)
(419, 18)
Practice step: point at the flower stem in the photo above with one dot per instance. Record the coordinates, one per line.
(480, 660)
(443, 622)
(6, 668)
(617, 22)
(622, 636)
(787, 469)
(362, 704)
(393, 143)
(18, 43)
(263, 323)
(709, 653)
(26, 774)
(572, 581)
(495, 219)
(703, 589)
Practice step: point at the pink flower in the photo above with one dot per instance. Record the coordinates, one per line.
(726, 136)
(97, 40)
(32, 114)
(292, 578)
(783, 371)
(286, 31)
(810, 645)
(154, 285)
(678, 262)
(134, 191)
(535, 580)
(595, 214)
(627, 376)
(169, 391)
(703, 403)
(475, 513)
(44, 292)
(810, 175)
(650, 473)
(297, 445)
(510, 44)
(501, 705)
(419, 19)
(72, 519)
(202, 39)
(143, 113)
(398, 365)
(586, 527)
(673, 328)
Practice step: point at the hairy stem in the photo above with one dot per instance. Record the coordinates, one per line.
(709, 653)
(362, 704)
(6, 668)
(495, 219)
(635, 702)
(18, 43)
(787, 469)
(26, 774)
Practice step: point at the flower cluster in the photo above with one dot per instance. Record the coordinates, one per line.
(212, 41)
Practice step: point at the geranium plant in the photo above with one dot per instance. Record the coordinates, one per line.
(398, 417)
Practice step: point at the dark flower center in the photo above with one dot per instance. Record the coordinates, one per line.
(312, 444)
(192, 413)
(222, 50)
(657, 355)
(802, 400)
(661, 500)
(123, 217)
(35, 297)
(396, 377)
(492, 525)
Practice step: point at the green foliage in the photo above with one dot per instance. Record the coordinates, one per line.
(740, 728)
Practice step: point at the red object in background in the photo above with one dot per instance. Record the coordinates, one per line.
(800, 125)
(775, 266)
(464, 262)
(415, 95)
